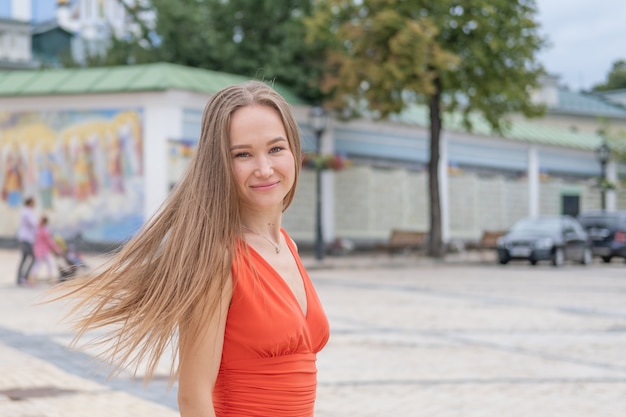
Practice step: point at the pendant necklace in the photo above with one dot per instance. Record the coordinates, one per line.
(271, 242)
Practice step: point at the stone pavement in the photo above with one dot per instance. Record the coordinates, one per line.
(409, 337)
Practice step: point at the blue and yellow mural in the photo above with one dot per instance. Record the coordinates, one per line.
(179, 153)
(84, 168)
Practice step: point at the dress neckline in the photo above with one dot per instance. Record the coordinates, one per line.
(301, 271)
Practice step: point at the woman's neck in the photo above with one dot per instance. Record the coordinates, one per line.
(265, 225)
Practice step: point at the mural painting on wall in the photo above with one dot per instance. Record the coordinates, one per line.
(84, 169)
(179, 154)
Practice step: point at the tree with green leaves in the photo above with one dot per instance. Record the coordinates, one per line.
(616, 77)
(260, 39)
(471, 56)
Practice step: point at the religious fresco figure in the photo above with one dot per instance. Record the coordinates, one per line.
(13, 183)
(115, 168)
(45, 181)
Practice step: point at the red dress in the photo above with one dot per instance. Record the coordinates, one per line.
(268, 365)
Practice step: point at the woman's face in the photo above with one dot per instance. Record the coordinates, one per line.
(263, 163)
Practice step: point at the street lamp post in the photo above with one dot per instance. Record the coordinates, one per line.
(603, 154)
(318, 120)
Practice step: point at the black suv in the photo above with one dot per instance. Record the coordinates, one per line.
(607, 231)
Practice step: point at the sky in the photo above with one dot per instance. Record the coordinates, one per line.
(43, 9)
(586, 37)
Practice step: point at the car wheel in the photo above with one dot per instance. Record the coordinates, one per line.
(503, 259)
(533, 261)
(587, 257)
(606, 259)
(558, 257)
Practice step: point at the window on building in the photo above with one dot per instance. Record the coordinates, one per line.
(570, 205)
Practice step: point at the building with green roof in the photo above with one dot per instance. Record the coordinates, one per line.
(101, 147)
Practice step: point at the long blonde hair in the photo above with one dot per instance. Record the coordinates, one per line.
(172, 272)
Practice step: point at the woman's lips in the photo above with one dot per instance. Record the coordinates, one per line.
(265, 186)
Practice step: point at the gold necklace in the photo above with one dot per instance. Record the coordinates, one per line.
(271, 242)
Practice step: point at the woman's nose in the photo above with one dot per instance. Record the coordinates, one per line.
(264, 167)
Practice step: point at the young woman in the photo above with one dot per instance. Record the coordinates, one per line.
(214, 275)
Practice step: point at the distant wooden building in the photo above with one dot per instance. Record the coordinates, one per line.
(51, 43)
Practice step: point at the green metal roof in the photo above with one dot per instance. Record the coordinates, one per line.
(121, 79)
(587, 104)
(519, 131)
(165, 76)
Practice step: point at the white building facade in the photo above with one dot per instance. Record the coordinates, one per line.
(15, 37)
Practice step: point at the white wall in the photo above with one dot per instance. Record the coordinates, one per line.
(15, 40)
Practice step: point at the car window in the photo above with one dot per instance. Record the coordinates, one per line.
(568, 227)
(578, 228)
(607, 220)
(537, 225)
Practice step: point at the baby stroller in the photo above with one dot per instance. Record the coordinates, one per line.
(69, 261)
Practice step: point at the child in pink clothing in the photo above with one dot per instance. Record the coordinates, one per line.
(43, 246)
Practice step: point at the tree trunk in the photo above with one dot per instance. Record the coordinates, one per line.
(435, 242)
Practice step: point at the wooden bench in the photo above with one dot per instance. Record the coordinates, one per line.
(405, 240)
(488, 241)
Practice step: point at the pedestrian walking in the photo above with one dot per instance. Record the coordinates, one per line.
(43, 248)
(26, 231)
(215, 275)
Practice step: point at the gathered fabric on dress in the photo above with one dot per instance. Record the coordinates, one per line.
(268, 365)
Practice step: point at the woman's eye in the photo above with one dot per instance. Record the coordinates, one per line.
(276, 149)
(241, 154)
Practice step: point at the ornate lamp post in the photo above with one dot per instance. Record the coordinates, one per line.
(318, 121)
(603, 154)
